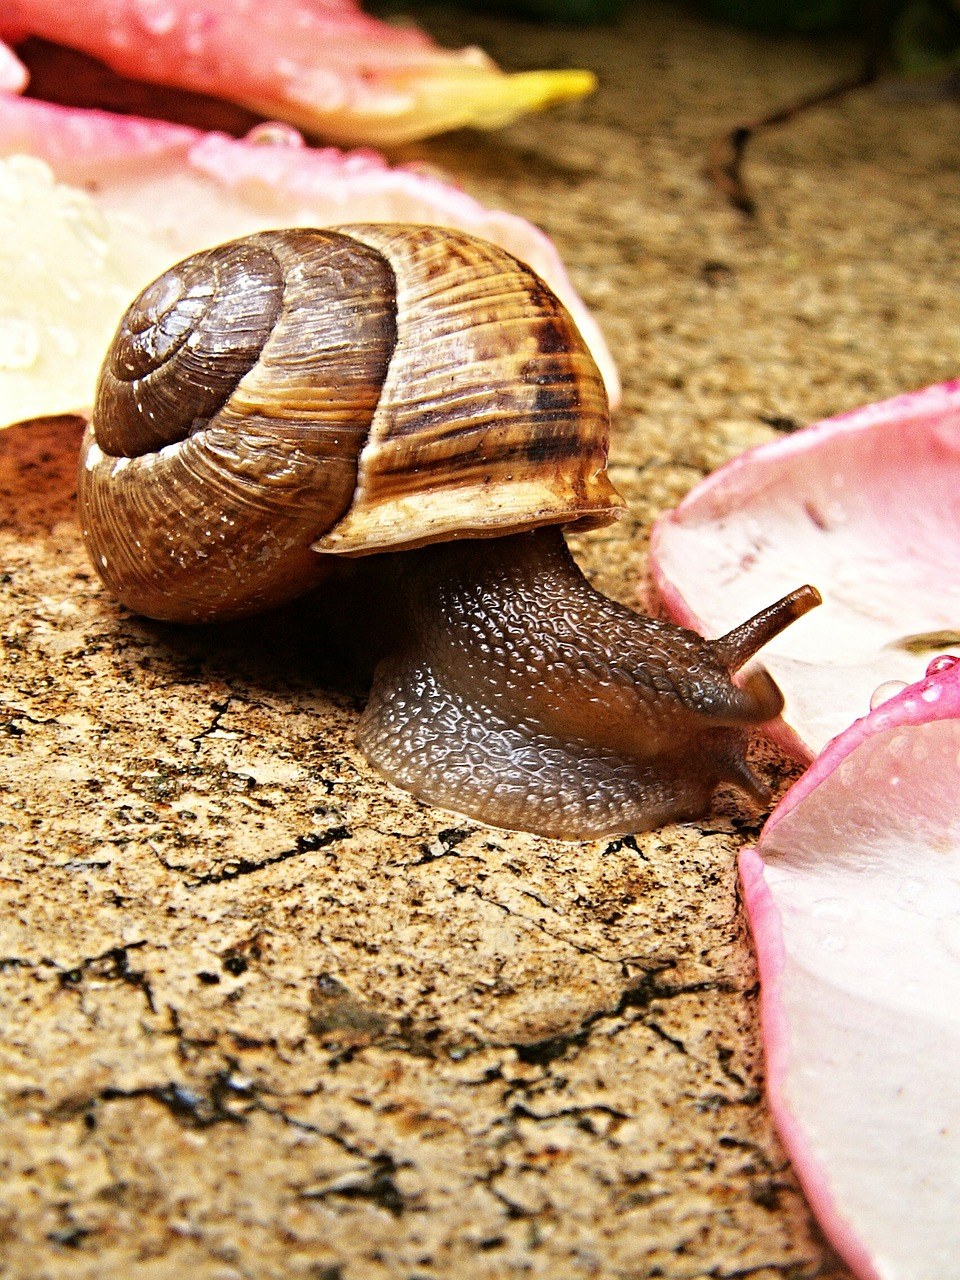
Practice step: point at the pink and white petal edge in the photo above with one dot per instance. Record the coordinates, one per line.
(328, 67)
(766, 928)
(930, 403)
(904, 709)
(97, 149)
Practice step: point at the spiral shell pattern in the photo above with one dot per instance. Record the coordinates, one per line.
(341, 391)
(183, 347)
(229, 416)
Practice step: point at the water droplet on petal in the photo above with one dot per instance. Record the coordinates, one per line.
(273, 133)
(943, 663)
(884, 692)
(834, 910)
(157, 17)
(833, 943)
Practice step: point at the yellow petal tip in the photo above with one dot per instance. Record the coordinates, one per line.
(417, 103)
(499, 99)
(550, 87)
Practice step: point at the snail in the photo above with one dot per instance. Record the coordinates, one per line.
(276, 404)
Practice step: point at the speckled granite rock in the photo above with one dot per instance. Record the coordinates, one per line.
(264, 1017)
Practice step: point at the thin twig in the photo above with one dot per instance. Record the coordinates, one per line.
(726, 154)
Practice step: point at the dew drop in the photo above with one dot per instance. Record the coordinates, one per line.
(832, 910)
(848, 772)
(273, 133)
(884, 692)
(157, 19)
(833, 943)
(943, 663)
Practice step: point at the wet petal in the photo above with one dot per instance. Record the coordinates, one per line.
(853, 895)
(175, 190)
(67, 272)
(866, 507)
(328, 68)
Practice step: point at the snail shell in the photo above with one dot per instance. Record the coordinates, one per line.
(343, 391)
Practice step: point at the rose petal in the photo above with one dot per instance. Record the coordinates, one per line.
(866, 507)
(327, 67)
(179, 190)
(853, 895)
(67, 271)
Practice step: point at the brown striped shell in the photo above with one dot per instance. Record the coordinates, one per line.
(299, 394)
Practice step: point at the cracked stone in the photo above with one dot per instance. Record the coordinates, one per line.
(265, 1016)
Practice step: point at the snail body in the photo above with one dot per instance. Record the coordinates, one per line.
(281, 402)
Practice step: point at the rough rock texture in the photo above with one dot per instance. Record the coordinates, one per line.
(264, 1017)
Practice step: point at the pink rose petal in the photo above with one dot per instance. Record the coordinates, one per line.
(189, 189)
(866, 507)
(853, 895)
(323, 65)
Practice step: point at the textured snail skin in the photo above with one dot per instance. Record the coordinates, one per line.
(292, 398)
(521, 696)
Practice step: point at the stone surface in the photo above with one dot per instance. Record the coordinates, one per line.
(264, 1017)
